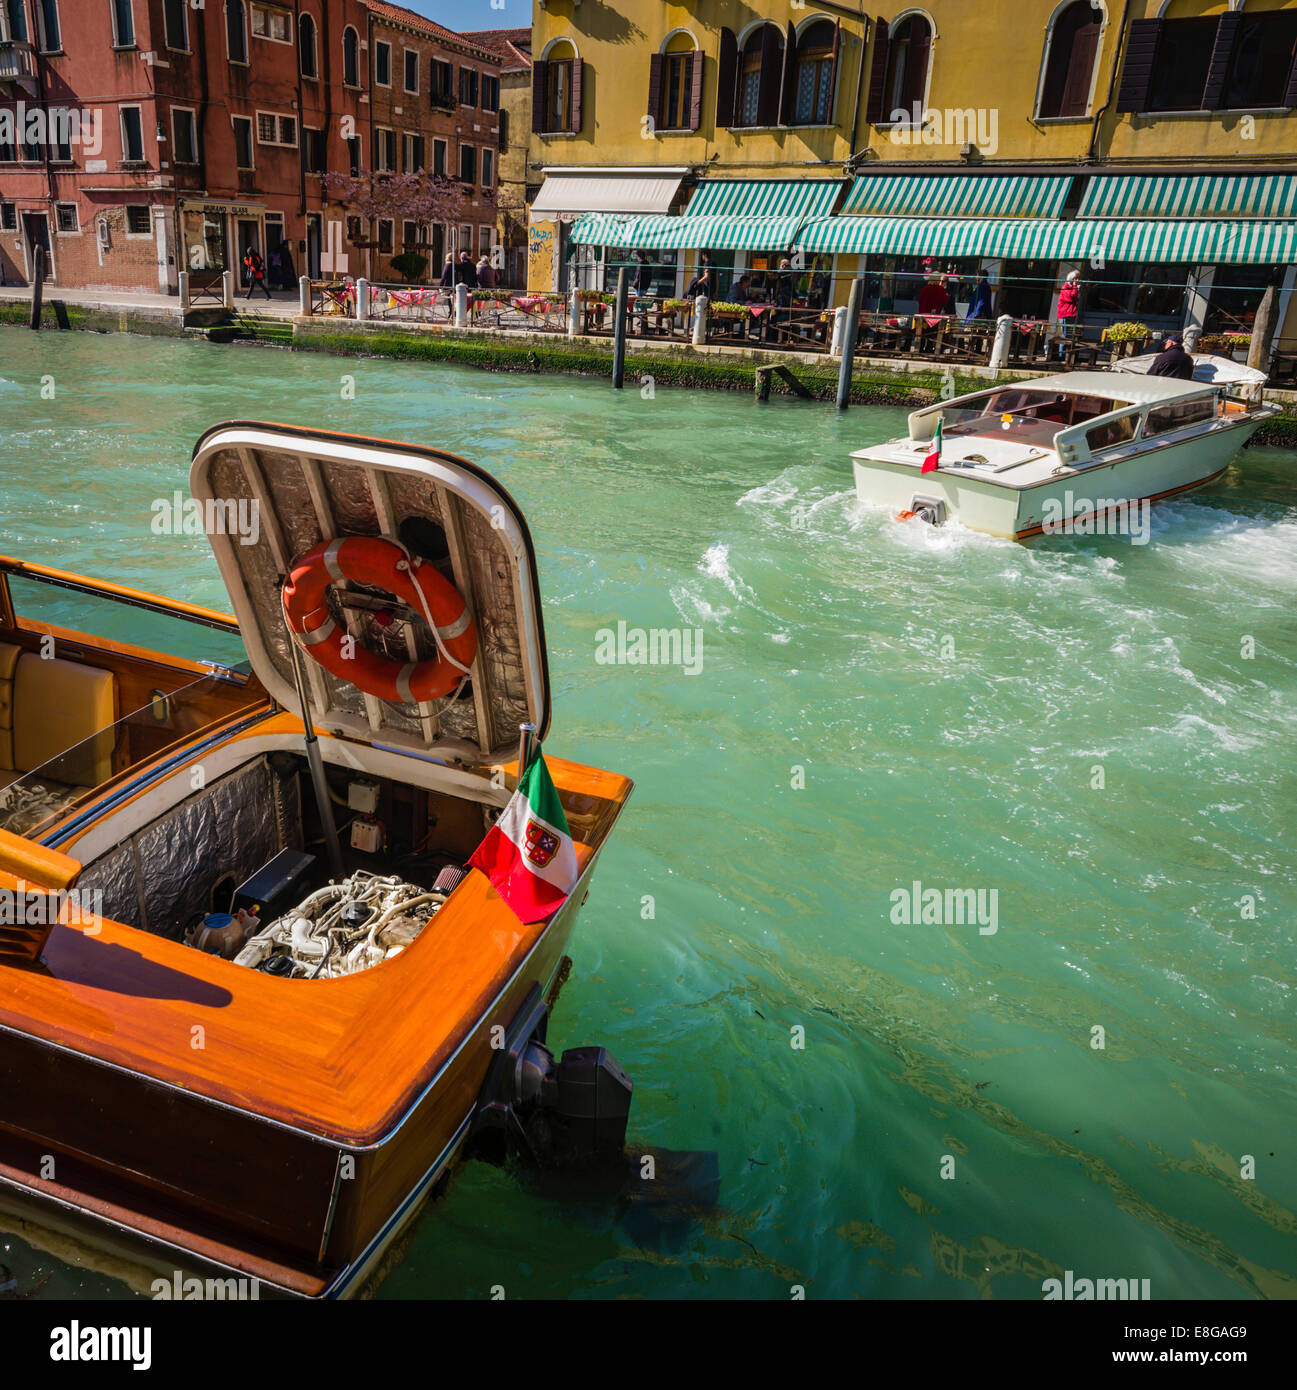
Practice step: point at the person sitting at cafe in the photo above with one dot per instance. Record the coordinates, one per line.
(979, 307)
(1173, 361)
(933, 298)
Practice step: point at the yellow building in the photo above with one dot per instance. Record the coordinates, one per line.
(1152, 147)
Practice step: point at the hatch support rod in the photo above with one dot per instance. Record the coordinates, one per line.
(316, 763)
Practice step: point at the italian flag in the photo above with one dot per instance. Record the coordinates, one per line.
(528, 854)
(933, 460)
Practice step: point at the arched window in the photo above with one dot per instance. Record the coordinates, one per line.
(676, 84)
(908, 54)
(556, 90)
(350, 58)
(236, 36)
(761, 62)
(1071, 50)
(306, 45)
(816, 63)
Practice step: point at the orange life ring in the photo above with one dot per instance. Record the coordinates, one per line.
(386, 565)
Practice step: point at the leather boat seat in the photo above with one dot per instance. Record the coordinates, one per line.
(57, 713)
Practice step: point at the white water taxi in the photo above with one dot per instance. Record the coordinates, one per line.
(1073, 452)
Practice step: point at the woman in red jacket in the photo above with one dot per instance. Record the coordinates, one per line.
(1069, 309)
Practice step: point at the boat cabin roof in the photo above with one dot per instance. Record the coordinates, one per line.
(1122, 388)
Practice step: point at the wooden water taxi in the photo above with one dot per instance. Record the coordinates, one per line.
(252, 1001)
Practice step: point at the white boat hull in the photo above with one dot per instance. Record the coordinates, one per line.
(1100, 495)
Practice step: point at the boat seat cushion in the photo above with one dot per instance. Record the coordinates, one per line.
(60, 706)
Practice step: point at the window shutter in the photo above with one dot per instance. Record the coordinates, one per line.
(1213, 93)
(917, 55)
(696, 89)
(833, 66)
(1290, 92)
(771, 74)
(655, 89)
(874, 112)
(578, 72)
(1080, 70)
(727, 77)
(788, 79)
(1137, 72)
(503, 142)
(539, 91)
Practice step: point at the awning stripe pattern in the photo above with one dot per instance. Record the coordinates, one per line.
(677, 233)
(1191, 195)
(1095, 240)
(926, 195)
(764, 198)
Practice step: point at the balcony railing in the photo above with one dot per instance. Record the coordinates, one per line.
(17, 62)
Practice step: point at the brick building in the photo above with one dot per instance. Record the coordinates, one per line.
(141, 137)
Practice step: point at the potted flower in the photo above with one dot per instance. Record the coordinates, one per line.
(730, 312)
(1231, 344)
(1129, 338)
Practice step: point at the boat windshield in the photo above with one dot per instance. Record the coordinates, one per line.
(1022, 414)
(95, 683)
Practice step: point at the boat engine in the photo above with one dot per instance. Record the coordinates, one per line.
(346, 927)
(931, 510)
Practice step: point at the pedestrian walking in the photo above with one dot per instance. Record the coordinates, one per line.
(485, 272)
(448, 272)
(643, 274)
(255, 268)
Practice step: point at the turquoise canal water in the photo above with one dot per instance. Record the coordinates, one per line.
(878, 704)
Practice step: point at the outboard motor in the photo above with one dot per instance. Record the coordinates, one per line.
(571, 1110)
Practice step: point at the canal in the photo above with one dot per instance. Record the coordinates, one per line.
(1100, 738)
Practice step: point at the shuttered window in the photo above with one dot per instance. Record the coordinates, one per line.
(1183, 58)
(814, 72)
(1069, 64)
(907, 67)
(1262, 60)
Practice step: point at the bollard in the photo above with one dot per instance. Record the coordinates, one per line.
(1003, 337)
(304, 295)
(839, 330)
(619, 333)
(184, 290)
(700, 321)
(1191, 336)
(573, 312)
(461, 306)
(362, 298)
(849, 343)
(227, 289)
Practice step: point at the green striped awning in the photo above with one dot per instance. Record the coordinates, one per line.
(764, 198)
(957, 195)
(1191, 195)
(677, 233)
(1095, 239)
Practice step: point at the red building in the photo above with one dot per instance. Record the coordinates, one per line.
(142, 137)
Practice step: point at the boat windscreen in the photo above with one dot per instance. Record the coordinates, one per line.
(1024, 412)
(38, 792)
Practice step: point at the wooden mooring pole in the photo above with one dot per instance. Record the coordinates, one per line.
(849, 343)
(38, 285)
(619, 332)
